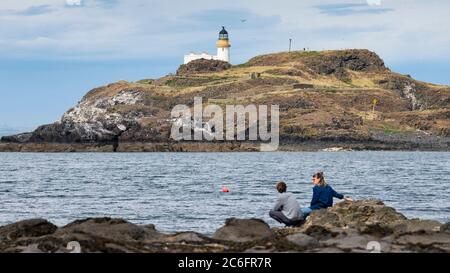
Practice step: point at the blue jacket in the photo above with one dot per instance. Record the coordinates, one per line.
(323, 197)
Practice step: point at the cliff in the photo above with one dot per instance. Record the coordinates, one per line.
(325, 100)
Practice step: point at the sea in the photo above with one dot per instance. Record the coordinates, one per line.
(183, 191)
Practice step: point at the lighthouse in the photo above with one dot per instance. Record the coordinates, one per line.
(223, 50)
(223, 46)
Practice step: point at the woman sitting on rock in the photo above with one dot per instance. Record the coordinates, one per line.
(322, 195)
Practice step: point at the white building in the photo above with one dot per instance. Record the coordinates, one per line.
(223, 50)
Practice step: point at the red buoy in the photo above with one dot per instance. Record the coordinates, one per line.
(225, 189)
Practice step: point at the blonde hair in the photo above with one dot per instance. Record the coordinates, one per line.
(321, 177)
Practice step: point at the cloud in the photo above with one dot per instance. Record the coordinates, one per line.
(236, 18)
(29, 11)
(112, 29)
(106, 3)
(345, 9)
(74, 3)
(374, 2)
(36, 10)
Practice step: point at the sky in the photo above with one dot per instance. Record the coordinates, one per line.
(53, 51)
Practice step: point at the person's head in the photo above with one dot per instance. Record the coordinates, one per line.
(318, 179)
(281, 187)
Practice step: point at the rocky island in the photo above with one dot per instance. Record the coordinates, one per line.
(346, 99)
(358, 226)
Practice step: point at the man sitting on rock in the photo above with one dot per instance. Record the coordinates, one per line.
(286, 210)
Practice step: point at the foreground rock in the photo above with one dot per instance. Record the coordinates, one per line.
(27, 228)
(244, 230)
(360, 226)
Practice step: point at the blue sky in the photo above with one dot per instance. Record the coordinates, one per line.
(53, 51)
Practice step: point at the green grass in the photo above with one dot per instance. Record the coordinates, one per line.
(305, 53)
(390, 129)
(194, 81)
(347, 81)
(145, 81)
(244, 65)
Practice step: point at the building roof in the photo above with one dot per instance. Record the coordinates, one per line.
(223, 31)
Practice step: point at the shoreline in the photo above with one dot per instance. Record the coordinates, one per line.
(345, 227)
(307, 146)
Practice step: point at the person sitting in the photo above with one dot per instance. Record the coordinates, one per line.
(286, 210)
(322, 195)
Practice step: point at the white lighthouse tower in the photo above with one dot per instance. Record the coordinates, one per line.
(223, 46)
(223, 50)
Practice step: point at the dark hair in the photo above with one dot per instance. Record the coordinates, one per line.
(281, 187)
(321, 177)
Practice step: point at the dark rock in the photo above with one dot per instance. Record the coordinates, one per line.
(349, 243)
(329, 250)
(342, 74)
(190, 237)
(408, 89)
(414, 226)
(302, 86)
(19, 138)
(303, 240)
(108, 228)
(446, 227)
(336, 63)
(261, 249)
(425, 242)
(202, 65)
(376, 229)
(27, 228)
(243, 230)
(359, 213)
(346, 121)
(255, 75)
(323, 218)
(326, 62)
(369, 217)
(320, 232)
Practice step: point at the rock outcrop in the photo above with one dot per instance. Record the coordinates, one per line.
(360, 226)
(326, 62)
(93, 119)
(243, 230)
(27, 228)
(338, 64)
(202, 65)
